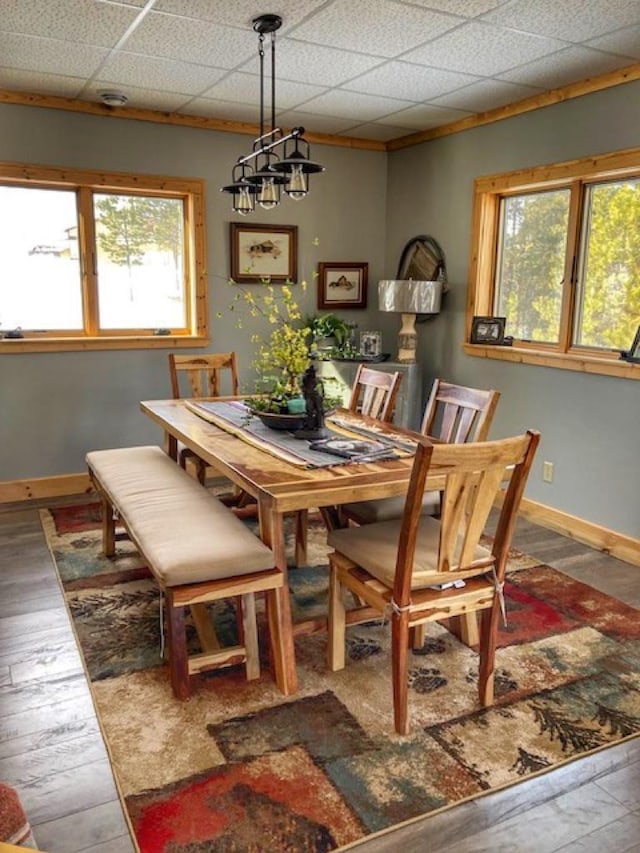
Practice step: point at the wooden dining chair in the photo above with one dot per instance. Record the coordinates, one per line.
(374, 393)
(453, 414)
(399, 566)
(202, 376)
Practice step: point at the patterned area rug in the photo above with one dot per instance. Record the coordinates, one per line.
(240, 767)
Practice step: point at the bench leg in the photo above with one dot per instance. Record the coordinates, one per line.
(177, 644)
(250, 636)
(108, 529)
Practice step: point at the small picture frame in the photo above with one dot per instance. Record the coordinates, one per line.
(342, 284)
(370, 344)
(263, 253)
(488, 330)
(633, 354)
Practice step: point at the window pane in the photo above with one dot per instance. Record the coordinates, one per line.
(608, 310)
(531, 257)
(141, 278)
(40, 286)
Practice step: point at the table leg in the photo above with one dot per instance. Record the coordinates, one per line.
(279, 605)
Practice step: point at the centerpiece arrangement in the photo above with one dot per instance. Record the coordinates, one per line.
(283, 356)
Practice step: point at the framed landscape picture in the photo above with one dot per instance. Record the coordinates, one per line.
(342, 284)
(263, 252)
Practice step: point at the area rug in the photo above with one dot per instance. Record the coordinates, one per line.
(240, 767)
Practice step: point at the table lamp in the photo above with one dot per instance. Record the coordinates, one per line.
(409, 298)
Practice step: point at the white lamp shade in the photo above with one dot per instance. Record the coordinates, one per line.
(410, 297)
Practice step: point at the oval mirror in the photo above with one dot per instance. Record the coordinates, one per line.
(423, 259)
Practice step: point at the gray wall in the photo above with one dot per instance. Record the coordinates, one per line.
(54, 407)
(588, 423)
(364, 208)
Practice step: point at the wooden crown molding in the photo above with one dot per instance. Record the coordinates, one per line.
(535, 102)
(53, 102)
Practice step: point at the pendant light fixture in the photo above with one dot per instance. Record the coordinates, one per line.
(260, 175)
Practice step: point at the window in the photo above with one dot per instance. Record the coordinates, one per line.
(100, 260)
(556, 250)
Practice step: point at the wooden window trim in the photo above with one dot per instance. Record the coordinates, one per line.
(488, 191)
(82, 180)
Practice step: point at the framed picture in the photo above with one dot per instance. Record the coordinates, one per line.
(342, 284)
(487, 330)
(370, 344)
(260, 252)
(633, 354)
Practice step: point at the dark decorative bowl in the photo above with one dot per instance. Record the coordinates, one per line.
(276, 420)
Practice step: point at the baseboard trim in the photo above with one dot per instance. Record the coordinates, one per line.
(41, 488)
(617, 544)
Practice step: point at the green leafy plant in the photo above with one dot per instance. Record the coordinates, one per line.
(329, 326)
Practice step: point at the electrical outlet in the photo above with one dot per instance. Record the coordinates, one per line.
(547, 472)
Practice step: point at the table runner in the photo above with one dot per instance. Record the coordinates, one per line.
(232, 417)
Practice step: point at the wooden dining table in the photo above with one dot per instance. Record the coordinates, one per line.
(281, 487)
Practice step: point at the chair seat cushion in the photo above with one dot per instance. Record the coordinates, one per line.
(385, 509)
(375, 548)
(186, 534)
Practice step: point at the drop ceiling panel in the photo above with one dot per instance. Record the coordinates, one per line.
(379, 27)
(403, 64)
(131, 69)
(319, 123)
(573, 20)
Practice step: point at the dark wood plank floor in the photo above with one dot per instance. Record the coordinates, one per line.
(51, 748)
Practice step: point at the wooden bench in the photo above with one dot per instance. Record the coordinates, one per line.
(198, 552)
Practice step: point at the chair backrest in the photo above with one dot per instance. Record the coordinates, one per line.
(374, 393)
(473, 475)
(204, 374)
(457, 414)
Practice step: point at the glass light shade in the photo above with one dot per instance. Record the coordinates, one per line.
(407, 296)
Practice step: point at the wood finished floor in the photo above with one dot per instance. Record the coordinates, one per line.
(51, 748)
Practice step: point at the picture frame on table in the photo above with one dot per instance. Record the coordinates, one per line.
(633, 354)
(488, 330)
(342, 284)
(370, 344)
(263, 252)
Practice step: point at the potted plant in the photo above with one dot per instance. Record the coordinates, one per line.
(329, 331)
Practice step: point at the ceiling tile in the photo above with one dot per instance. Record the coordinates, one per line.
(623, 42)
(101, 24)
(398, 79)
(220, 109)
(344, 104)
(246, 89)
(130, 69)
(379, 132)
(425, 116)
(384, 28)
(465, 8)
(52, 56)
(240, 13)
(566, 66)
(309, 63)
(482, 49)
(320, 124)
(573, 20)
(487, 95)
(44, 84)
(194, 41)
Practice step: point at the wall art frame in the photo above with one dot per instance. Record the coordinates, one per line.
(263, 252)
(342, 284)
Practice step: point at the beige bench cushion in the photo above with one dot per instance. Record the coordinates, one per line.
(386, 509)
(375, 547)
(185, 533)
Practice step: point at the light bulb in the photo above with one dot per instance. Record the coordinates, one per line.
(244, 204)
(297, 186)
(268, 197)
